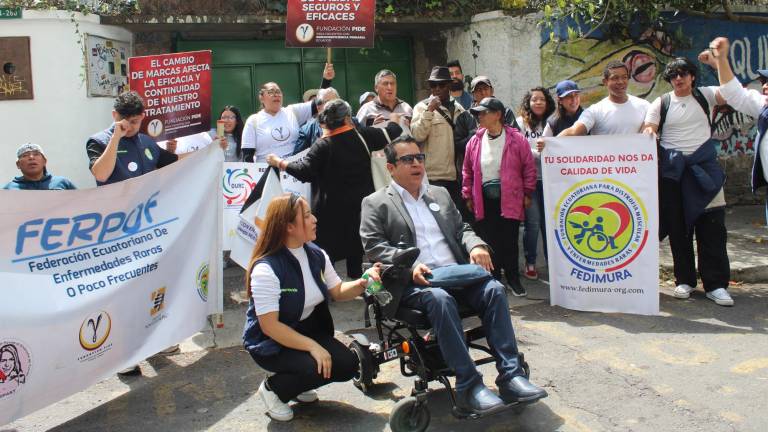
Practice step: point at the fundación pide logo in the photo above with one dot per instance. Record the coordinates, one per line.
(602, 226)
(94, 334)
(15, 364)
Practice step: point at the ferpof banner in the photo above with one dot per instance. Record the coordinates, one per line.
(176, 89)
(237, 182)
(601, 208)
(338, 23)
(96, 280)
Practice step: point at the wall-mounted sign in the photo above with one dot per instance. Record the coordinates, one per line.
(15, 69)
(338, 23)
(10, 13)
(107, 65)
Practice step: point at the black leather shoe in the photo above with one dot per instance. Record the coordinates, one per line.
(478, 399)
(520, 390)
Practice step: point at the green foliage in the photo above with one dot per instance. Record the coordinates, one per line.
(99, 7)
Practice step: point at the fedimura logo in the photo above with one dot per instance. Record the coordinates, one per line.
(15, 365)
(601, 228)
(236, 185)
(94, 334)
(201, 281)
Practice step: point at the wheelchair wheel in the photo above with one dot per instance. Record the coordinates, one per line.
(408, 415)
(363, 379)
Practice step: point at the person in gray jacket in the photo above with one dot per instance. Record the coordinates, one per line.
(422, 215)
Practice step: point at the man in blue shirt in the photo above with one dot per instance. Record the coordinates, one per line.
(457, 85)
(30, 159)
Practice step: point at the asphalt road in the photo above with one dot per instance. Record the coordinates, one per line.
(697, 367)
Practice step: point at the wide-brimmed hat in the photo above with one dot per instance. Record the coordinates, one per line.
(480, 79)
(488, 104)
(365, 96)
(440, 74)
(566, 87)
(309, 94)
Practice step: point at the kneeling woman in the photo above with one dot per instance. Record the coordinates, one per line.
(289, 329)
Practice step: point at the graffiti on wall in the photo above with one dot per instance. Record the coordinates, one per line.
(647, 53)
(107, 66)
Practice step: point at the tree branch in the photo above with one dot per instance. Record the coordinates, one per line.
(725, 17)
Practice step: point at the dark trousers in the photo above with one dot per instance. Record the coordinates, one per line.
(296, 371)
(501, 234)
(489, 300)
(455, 192)
(711, 237)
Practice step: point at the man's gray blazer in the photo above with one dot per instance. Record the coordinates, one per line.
(385, 222)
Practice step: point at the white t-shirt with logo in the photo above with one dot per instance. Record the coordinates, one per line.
(610, 118)
(265, 286)
(686, 127)
(275, 133)
(532, 135)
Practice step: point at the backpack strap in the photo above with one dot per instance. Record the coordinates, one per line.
(697, 94)
(665, 100)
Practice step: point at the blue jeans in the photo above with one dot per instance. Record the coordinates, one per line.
(534, 223)
(489, 300)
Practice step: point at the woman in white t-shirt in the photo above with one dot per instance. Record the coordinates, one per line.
(275, 128)
(536, 108)
(289, 329)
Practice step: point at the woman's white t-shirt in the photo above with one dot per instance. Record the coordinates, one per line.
(491, 151)
(686, 126)
(532, 135)
(265, 286)
(277, 133)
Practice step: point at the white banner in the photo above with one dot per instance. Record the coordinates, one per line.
(96, 280)
(238, 181)
(601, 208)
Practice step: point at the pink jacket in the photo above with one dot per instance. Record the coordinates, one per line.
(517, 174)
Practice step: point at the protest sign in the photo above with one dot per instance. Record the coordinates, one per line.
(341, 23)
(176, 89)
(237, 183)
(601, 216)
(97, 280)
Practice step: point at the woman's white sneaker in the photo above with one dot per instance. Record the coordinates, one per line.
(721, 297)
(308, 396)
(276, 409)
(683, 291)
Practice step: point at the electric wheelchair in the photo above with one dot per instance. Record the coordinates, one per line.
(403, 335)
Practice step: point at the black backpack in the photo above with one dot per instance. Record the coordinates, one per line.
(696, 93)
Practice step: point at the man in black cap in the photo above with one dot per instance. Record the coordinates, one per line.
(432, 126)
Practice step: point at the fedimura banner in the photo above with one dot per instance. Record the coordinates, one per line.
(601, 217)
(96, 280)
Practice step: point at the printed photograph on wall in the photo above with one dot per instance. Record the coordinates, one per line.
(107, 61)
(15, 69)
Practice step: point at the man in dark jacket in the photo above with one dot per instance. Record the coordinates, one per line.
(30, 160)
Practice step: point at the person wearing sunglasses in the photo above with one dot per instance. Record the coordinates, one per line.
(289, 329)
(433, 122)
(412, 212)
(275, 129)
(689, 205)
(499, 180)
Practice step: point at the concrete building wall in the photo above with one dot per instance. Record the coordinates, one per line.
(504, 48)
(61, 116)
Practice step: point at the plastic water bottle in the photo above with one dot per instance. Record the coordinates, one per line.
(374, 288)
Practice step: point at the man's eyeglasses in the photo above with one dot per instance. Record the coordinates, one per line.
(438, 84)
(410, 158)
(272, 92)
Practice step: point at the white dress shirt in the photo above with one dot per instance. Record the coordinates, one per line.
(435, 251)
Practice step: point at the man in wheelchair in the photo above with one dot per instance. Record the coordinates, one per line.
(412, 213)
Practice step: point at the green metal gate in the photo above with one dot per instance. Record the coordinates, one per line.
(241, 67)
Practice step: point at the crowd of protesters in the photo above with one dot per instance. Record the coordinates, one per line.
(459, 158)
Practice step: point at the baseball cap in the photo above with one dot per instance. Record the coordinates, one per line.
(488, 104)
(28, 147)
(564, 88)
(365, 96)
(480, 79)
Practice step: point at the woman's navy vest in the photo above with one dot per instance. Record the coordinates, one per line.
(288, 270)
(139, 149)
